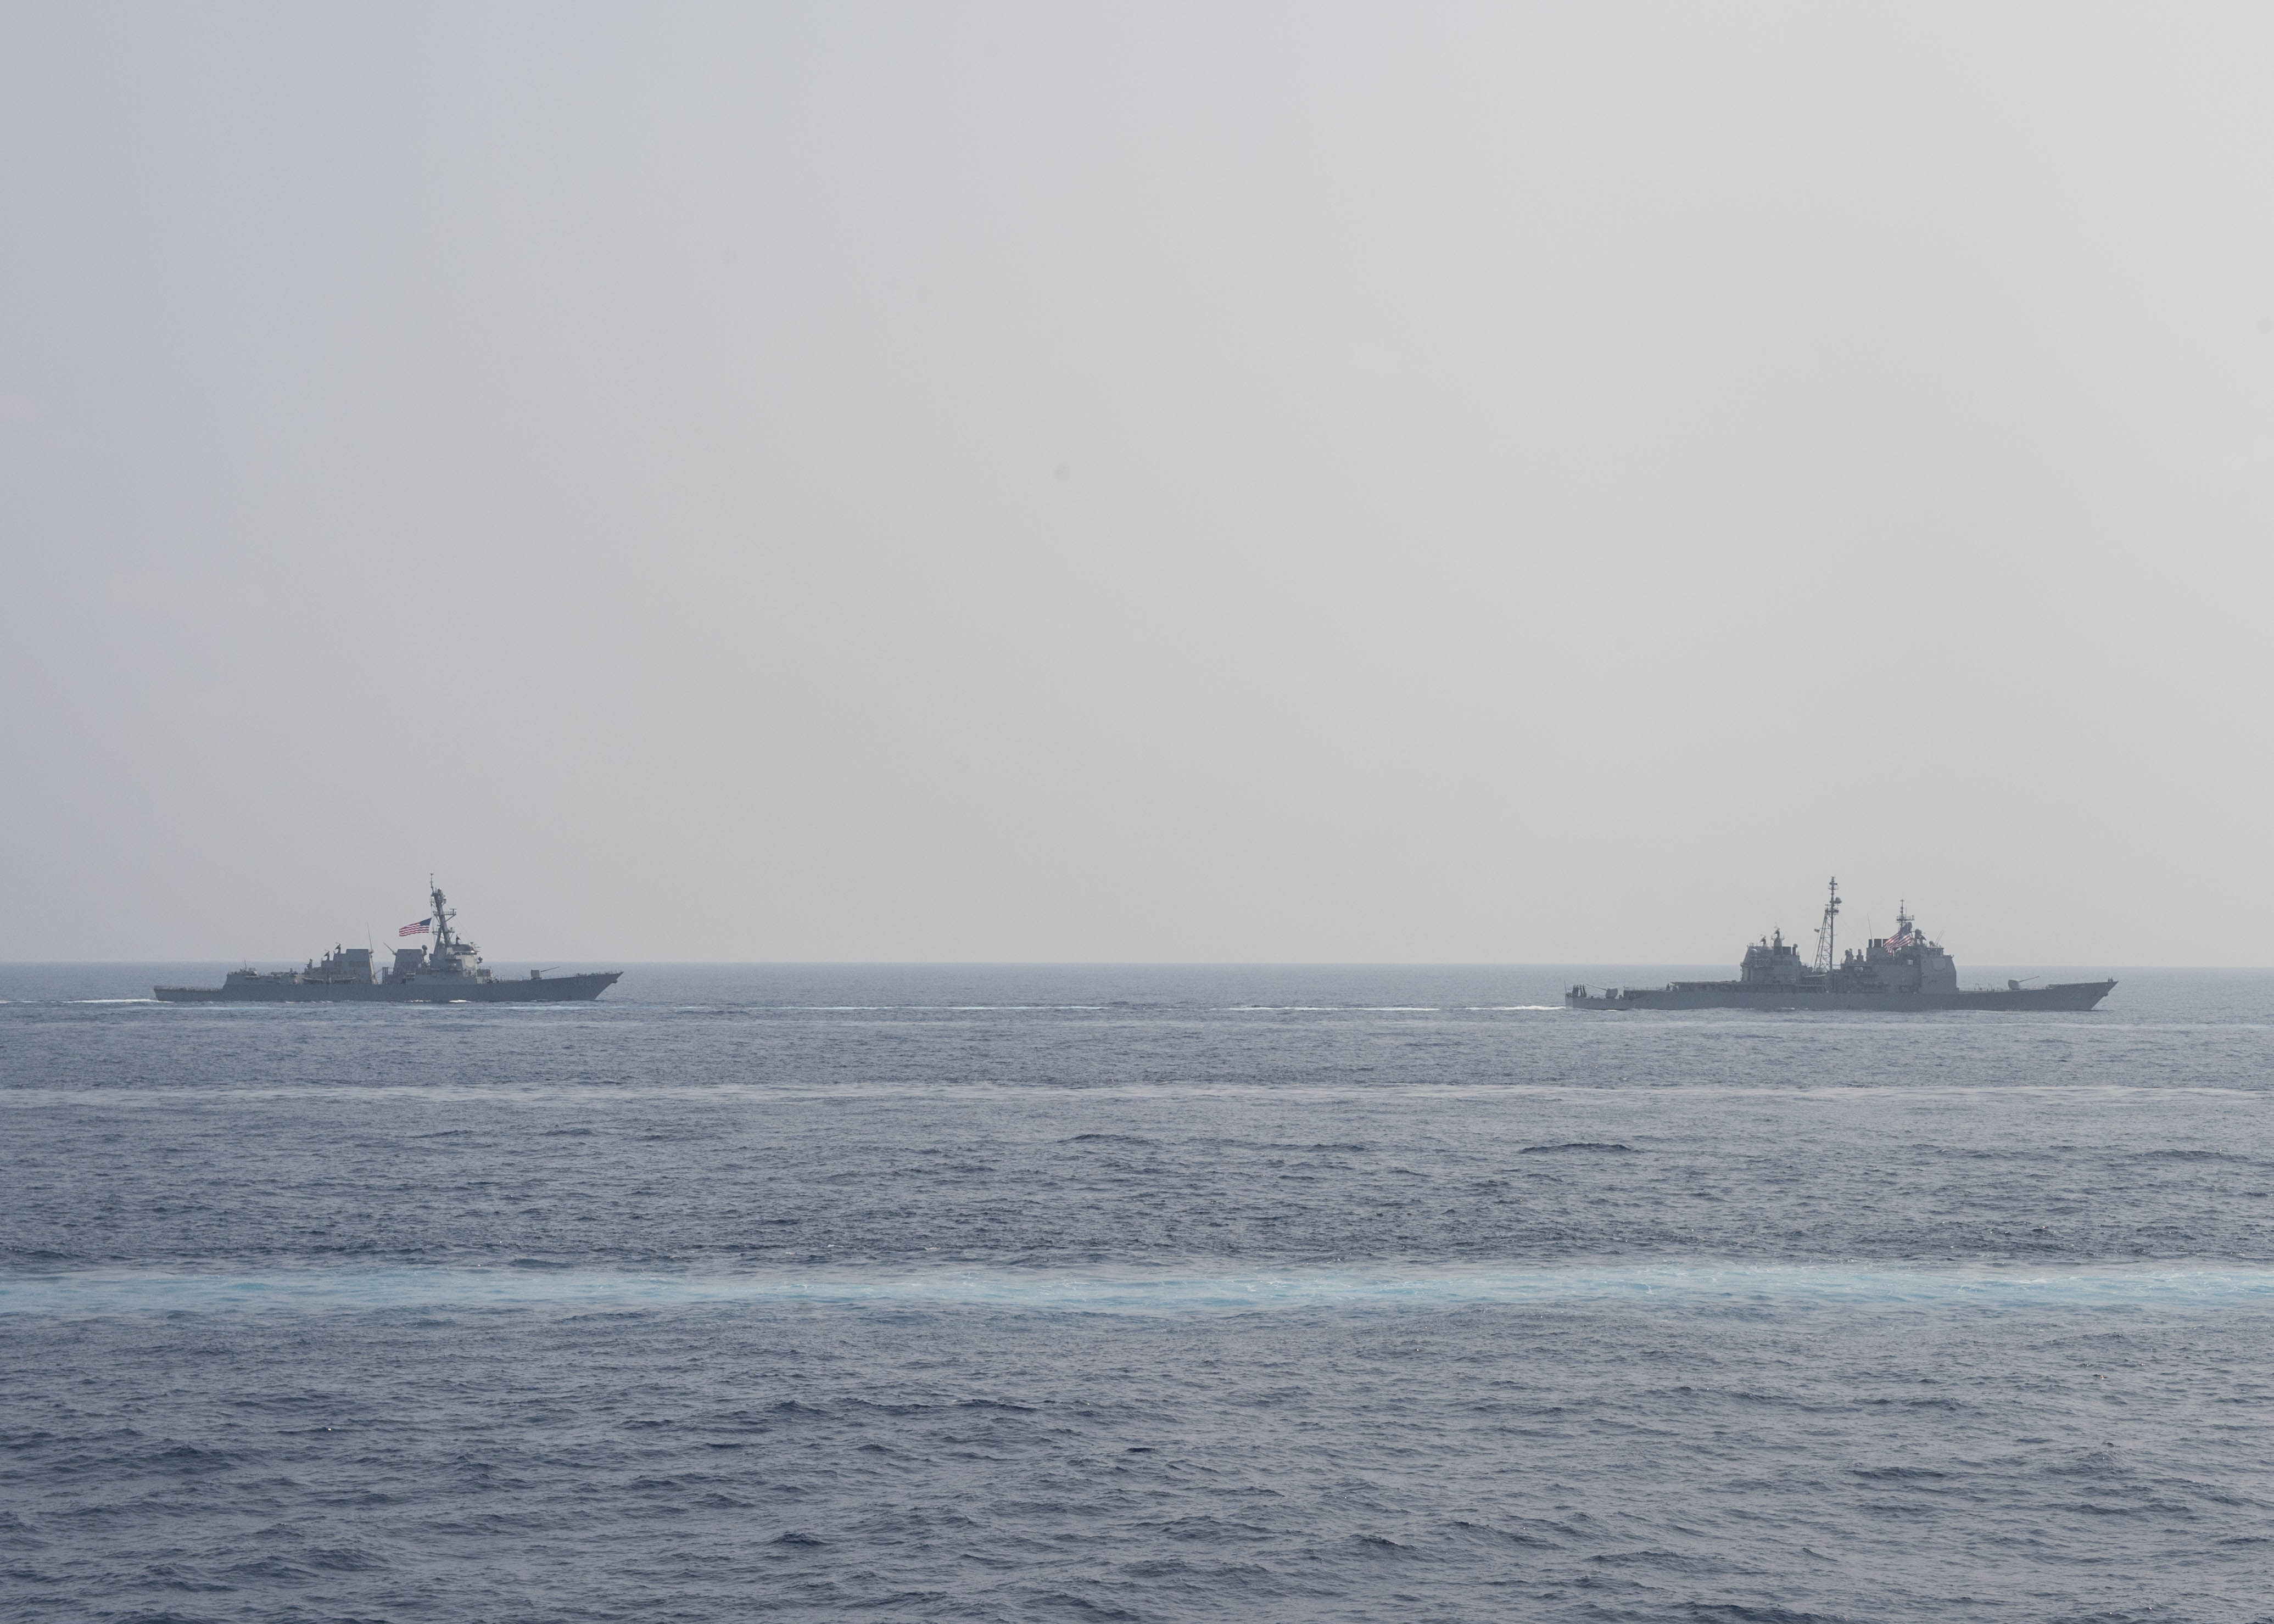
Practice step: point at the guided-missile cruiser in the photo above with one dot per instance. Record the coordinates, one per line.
(1904, 972)
(448, 972)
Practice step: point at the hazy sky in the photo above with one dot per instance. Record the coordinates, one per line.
(1139, 483)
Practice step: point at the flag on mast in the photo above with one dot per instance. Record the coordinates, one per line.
(418, 930)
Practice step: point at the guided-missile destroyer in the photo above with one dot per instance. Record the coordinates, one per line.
(1903, 972)
(448, 972)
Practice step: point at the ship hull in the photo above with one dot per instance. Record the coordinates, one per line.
(1737, 995)
(546, 989)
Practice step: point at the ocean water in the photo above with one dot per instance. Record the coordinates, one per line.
(1132, 1293)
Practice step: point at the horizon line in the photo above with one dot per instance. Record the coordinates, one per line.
(1125, 964)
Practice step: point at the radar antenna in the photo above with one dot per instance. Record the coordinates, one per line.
(1824, 930)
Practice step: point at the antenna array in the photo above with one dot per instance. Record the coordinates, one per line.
(1824, 930)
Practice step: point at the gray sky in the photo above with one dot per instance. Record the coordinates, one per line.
(982, 481)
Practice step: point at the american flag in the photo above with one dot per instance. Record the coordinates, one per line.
(1896, 942)
(419, 930)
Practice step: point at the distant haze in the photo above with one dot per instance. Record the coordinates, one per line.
(1141, 484)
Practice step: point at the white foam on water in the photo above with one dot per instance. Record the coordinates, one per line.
(1672, 1285)
(1329, 1009)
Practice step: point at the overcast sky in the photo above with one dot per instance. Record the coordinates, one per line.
(1229, 483)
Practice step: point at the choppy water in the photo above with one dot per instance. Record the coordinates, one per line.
(1143, 1294)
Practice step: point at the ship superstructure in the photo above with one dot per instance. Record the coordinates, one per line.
(1905, 971)
(448, 970)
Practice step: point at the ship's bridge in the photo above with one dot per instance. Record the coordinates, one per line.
(1772, 962)
(1903, 962)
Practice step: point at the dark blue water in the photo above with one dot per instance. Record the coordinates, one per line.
(1134, 1293)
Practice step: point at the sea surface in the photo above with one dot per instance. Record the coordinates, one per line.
(1309, 1293)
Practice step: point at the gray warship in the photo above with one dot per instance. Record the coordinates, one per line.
(448, 972)
(1904, 972)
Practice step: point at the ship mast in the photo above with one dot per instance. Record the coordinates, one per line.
(1823, 931)
(442, 916)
